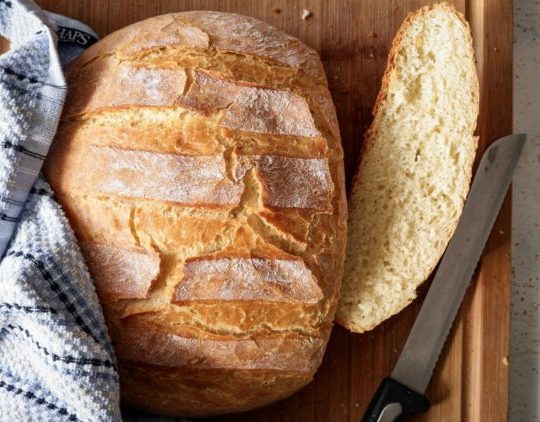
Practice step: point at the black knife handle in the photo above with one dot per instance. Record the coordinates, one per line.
(394, 401)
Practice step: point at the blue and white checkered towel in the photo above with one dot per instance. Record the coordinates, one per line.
(56, 359)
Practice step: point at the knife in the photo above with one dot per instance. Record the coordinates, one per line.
(402, 394)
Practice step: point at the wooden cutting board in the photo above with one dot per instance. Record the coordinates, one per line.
(353, 38)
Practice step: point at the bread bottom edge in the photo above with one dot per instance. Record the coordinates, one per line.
(204, 392)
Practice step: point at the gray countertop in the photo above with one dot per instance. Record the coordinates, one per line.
(524, 402)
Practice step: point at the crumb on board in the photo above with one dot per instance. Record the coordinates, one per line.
(505, 360)
(277, 10)
(306, 14)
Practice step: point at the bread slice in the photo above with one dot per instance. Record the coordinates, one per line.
(416, 166)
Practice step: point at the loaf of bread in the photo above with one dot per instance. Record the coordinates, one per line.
(200, 165)
(415, 168)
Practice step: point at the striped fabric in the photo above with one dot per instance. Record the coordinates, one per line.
(32, 91)
(56, 359)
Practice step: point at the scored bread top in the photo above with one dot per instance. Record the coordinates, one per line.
(416, 167)
(212, 33)
(200, 164)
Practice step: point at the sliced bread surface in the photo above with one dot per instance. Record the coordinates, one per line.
(416, 167)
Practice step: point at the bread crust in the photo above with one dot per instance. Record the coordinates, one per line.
(205, 30)
(121, 273)
(202, 145)
(370, 136)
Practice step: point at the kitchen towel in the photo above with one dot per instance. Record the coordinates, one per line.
(56, 359)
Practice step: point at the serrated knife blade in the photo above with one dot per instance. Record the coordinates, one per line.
(401, 394)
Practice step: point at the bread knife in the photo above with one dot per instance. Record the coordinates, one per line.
(402, 394)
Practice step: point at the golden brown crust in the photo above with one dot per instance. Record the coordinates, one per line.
(221, 390)
(201, 181)
(271, 111)
(246, 107)
(268, 278)
(121, 273)
(189, 368)
(124, 85)
(188, 347)
(184, 131)
(209, 140)
(196, 180)
(290, 182)
(207, 30)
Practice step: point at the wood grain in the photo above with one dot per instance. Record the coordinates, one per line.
(353, 38)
